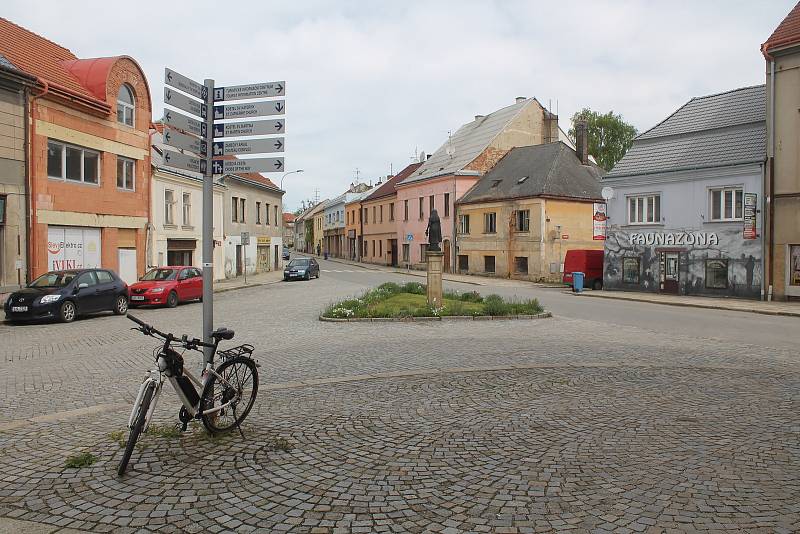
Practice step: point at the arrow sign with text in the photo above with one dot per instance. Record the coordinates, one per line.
(185, 142)
(235, 166)
(256, 146)
(187, 124)
(182, 161)
(181, 101)
(246, 111)
(187, 85)
(253, 90)
(234, 129)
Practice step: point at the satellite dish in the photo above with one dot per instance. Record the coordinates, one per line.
(607, 193)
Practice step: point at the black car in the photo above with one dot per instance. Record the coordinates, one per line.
(64, 295)
(303, 268)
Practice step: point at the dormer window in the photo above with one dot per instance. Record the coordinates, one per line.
(125, 105)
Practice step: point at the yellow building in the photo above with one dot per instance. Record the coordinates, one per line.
(520, 219)
(318, 218)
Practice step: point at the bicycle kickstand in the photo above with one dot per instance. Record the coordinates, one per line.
(238, 426)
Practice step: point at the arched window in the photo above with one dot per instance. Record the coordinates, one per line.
(125, 105)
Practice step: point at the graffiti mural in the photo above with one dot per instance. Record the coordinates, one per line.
(741, 257)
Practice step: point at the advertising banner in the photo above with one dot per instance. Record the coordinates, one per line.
(599, 221)
(72, 248)
(750, 209)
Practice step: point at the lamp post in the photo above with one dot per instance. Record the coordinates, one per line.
(287, 174)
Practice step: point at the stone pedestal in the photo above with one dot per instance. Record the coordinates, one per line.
(435, 260)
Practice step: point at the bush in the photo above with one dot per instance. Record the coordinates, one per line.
(494, 305)
(390, 288)
(471, 296)
(415, 288)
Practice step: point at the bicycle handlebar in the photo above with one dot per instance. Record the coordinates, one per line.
(149, 330)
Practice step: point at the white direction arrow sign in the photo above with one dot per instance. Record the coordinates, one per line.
(246, 111)
(187, 85)
(185, 142)
(187, 124)
(235, 166)
(234, 129)
(253, 90)
(182, 161)
(256, 146)
(181, 101)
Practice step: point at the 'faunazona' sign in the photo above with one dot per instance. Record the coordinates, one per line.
(701, 239)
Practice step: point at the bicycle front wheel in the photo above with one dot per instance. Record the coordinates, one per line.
(136, 429)
(241, 376)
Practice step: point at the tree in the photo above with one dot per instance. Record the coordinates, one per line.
(609, 136)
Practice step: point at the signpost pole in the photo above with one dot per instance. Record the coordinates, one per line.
(208, 233)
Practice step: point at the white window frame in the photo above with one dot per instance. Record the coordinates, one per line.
(127, 109)
(490, 217)
(63, 147)
(520, 217)
(125, 177)
(463, 224)
(644, 203)
(733, 190)
(169, 207)
(186, 208)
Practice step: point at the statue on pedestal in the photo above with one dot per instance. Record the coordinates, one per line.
(434, 232)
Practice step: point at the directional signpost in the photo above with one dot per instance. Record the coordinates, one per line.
(253, 90)
(179, 81)
(241, 129)
(249, 110)
(174, 98)
(185, 123)
(185, 142)
(182, 161)
(237, 166)
(255, 146)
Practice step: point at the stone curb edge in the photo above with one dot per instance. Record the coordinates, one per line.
(248, 286)
(451, 318)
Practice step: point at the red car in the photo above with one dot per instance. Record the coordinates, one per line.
(167, 286)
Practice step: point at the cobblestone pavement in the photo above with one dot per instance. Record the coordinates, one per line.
(558, 424)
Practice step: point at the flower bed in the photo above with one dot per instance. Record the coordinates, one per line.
(409, 300)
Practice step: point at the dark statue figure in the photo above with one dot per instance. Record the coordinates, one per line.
(434, 232)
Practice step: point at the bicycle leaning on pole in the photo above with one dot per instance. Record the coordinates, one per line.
(222, 399)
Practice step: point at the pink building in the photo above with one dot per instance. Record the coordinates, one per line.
(456, 166)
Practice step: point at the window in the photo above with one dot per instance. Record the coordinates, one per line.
(275, 213)
(242, 205)
(380, 249)
(630, 270)
(373, 215)
(169, 206)
(523, 221)
(86, 278)
(373, 248)
(463, 263)
(463, 224)
(423, 252)
(366, 216)
(794, 265)
(125, 105)
(432, 204)
(366, 243)
(726, 204)
(644, 209)
(391, 211)
(187, 209)
(266, 215)
(488, 264)
(66, 162)
(447, 204)
(406, 252)
(125, 173)
(258, 212)
(521, 264)
(3, 209)
(421, 208)
(381, 212)
(717, 274)
(104, 277)
(405, 210)
(489, 223)
(234, 209)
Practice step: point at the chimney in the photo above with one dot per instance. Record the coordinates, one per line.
(479, 117)
(521, 99)
(581, 142)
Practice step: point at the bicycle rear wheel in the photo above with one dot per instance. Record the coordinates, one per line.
(136, 429)
(242, 376)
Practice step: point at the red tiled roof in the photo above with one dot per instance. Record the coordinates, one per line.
(388, 187)
(787, 33)
(288, 217)
(252, 176)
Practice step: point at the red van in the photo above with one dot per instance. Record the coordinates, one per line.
(589, 262)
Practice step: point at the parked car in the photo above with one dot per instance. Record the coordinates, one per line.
(64, 295)
(168, 286)
(303, 268)
(588, 262)
(286, 253)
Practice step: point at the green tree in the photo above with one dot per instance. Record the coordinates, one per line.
(609, 136)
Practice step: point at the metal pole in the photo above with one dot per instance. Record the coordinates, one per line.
(208, 229)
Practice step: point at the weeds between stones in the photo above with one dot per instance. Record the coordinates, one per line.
(81, 460)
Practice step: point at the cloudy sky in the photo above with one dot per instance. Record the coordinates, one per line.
(371, 82)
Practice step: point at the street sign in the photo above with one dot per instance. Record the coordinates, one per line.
(187, 124)
(185, 142)
(750, 210)
(249, 110)
(235, 166)
(409, 237)
(255, 146)
(187, 85)
(182, 161)
(253, 90)
(181, 101)
(234, 129)
(245, 237)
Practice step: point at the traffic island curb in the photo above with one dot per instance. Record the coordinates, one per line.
(447, 318)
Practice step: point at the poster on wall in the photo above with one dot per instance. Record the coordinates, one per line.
(599, 218)
(72, 248)
(794, 265)
(750, 200)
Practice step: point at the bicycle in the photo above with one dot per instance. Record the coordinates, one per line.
(231, 385)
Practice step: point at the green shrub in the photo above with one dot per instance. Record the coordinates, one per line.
(524, 307)
(415, 288)
(391, 288)
(456, 307)
(494, 305)
(471, 296)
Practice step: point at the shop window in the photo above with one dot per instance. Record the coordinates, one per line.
(521, 265)
(76, 164)
(726, 203)
(794, 265)
(644, 209)
(187, 209)
(406, 252)
(169, 206)
(463, 263)
(126, 106)
(522, 220)
(717, 274)
(488, 264)
(463, 224)
(630, 270)
(447, 204)
(490, 223)
(125, 173)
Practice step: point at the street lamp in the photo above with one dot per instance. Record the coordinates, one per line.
(287, 174)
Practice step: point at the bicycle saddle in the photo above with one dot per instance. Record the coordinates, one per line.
(222, 333)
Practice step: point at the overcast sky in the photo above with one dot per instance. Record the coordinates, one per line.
(370, 82)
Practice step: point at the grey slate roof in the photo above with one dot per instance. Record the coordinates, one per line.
(709, 131)
(552, 170)
(467, 143)
(5, 63)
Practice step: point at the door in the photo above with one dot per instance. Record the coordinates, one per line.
(393, 252)
(107, 288)
(127, 265)
(88, 297)
(277, 257)
(670, 272)
(239, 260)
(446, 252)
(197, 283)
(184, 287)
